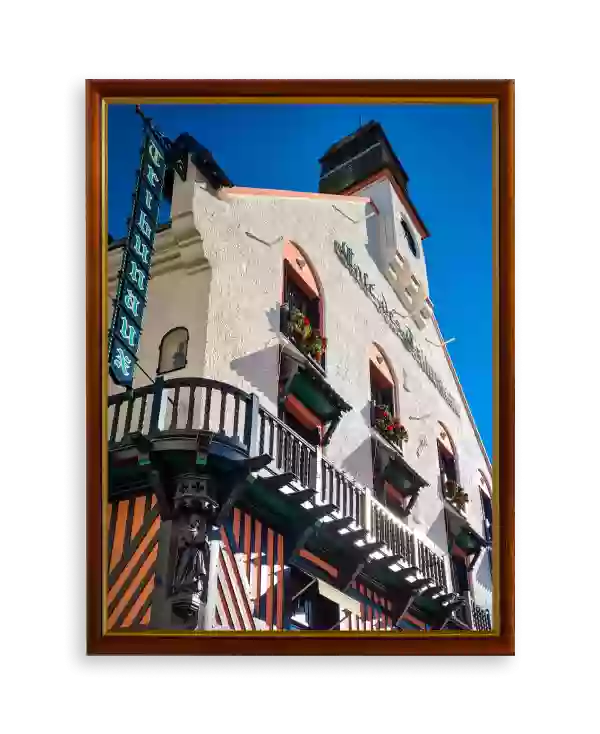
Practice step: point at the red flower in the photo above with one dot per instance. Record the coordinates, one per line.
(306, 321)
(390, 428)
(385, 414)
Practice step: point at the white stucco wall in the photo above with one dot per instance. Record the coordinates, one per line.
(212, 275)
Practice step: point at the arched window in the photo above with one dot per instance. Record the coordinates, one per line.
(302, 305)
(172, 353)
(449, 475)
(384, 409)
(395, 484)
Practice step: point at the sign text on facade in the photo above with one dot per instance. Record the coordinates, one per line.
(346, 255)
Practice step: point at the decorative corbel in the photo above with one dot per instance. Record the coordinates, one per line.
(194, 511)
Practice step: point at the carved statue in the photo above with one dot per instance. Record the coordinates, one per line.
(191, 563)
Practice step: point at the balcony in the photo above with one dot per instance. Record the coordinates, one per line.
(471, 616)
(292, 483)
(481, 618)
(410, 550)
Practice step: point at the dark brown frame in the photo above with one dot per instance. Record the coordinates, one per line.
(162, 341)
(500, 92)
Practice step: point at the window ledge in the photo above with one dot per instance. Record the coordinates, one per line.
(385, 443)
(299, 355)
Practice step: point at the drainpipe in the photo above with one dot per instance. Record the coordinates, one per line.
(213, 566)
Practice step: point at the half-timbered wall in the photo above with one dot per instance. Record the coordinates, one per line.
(250, 576)
(132, 547)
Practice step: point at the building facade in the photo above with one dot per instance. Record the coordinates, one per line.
(303, 456)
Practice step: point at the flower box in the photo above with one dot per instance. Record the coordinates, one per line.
(389, 426)
(456, 495)
(307, 338)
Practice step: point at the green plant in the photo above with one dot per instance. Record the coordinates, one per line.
(308, 340)
(455, 494)
(389, 426)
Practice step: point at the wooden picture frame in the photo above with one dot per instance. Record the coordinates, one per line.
(500, 93)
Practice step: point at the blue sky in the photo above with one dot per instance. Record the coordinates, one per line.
(445, 149)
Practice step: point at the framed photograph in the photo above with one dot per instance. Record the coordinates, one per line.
(300, 367)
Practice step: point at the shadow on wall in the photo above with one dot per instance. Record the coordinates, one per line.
(484, 573)
(274, 318)
(260, 370)
(375, 232)
(437, 532)
(359, 464)
(366, 413)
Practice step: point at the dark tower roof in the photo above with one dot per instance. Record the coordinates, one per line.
(357, 157)
(360, 156)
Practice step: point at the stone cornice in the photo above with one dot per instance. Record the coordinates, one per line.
(179, 247)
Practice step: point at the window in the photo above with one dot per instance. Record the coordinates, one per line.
(383, 395)
(296, 297)
(173, 350)
(382, 391)
(486, 504)
(302, 306)
(410, 239)
(447, 464)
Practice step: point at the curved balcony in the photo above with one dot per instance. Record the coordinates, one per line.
(175, 413)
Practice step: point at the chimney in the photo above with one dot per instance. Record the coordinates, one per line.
(355, 158)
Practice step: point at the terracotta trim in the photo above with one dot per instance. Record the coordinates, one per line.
(318, 562)
(375, 207)
(413, 620)
(291, 249)
(248, 191)
(398, 496)
(382, 376)
(386, 173)
(302, 413)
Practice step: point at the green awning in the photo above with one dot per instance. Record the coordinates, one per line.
(402, 476)
(467, 541)
(317, 396)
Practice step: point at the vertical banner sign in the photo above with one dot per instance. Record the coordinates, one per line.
(132, 287)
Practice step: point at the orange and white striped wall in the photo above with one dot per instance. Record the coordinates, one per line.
(133, 526)
(247, 592)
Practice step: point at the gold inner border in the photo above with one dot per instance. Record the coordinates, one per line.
(493, 101)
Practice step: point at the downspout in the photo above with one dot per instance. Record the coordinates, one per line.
(213, 569)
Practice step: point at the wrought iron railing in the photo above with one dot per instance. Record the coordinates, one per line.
(187, 405)
(181, 405)
(290, 452)
(481, 618)
(402, 542)
(341, 490)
